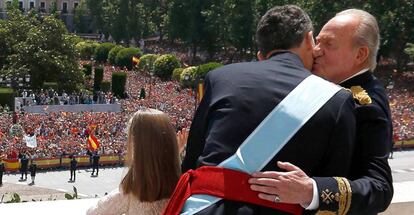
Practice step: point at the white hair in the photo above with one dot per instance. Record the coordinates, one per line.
(367, 33)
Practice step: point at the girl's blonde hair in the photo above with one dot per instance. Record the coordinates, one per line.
(152, 156)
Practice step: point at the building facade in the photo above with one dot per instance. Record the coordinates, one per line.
(66, 8)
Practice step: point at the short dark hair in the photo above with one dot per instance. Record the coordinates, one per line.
(282, 28)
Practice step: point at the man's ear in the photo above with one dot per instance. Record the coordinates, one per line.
(310, 42)
(260, 56)
(362, 54)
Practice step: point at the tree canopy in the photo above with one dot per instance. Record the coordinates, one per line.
(217, 25)
(40, 46)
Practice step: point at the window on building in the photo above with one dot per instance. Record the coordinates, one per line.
(8, 4)
(64, 7)
(31, 5)
(20, 5)
(42, 7)
(75, 5)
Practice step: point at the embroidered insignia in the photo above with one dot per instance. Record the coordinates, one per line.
(329, 197)
(360, 95)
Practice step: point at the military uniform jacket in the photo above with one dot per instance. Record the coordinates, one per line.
(239, 96)
(369, 187)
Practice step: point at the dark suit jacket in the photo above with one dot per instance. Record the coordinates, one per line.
(370, 178)
(73, 164)
(24, 163)
(239, 96)
(95, 160)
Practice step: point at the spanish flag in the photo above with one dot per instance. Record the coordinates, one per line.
(93, 142)
(200, 92)
(135, 61)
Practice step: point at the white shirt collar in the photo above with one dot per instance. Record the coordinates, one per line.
(356, 74)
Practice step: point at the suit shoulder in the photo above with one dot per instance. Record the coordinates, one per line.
(342, 103)
(231, 69)
(343, 97)
(371, 98)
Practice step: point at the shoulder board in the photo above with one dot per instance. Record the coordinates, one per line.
(360, 95)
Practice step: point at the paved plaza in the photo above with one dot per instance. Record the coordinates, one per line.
(87, 186)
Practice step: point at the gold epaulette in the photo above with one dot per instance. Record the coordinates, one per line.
(360, 95)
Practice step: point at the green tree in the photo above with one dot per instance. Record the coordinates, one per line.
(86, 49)
(118, 83)
(43, 49)
(119, 27)
(135, 21)
(12, 31)
(241, 24)
(124, 57)
(215, 27)
(203, 69)
(165, 65)
(102, 52)
(80, 18)
(409, 50)
(98, 10)
(7, 97)
(157, 11)
(188, 76)
(146, 63)
(98, 78)
(179, 19)
(113, 53)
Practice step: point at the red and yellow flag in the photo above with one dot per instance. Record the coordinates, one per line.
(200, 92)
(93, 142)
(135, 61)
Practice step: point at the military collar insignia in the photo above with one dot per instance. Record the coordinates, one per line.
(360, 95)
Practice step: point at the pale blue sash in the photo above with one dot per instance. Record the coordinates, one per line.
(273, 133)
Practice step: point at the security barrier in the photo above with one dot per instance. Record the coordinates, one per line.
(403, 144)
(12, 165)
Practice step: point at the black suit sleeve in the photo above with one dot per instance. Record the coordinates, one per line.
(196, 137)
(372, 185)
(368, 188)
(334, 192)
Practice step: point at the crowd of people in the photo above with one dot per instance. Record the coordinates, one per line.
(66, 133)
(401, 96)
(51, 97)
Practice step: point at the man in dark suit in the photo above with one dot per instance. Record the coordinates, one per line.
(346, 54)
(239, 96)
(73, 167)
(24, 165)
(95, 163)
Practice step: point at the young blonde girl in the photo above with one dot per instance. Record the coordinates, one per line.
(154, 167)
